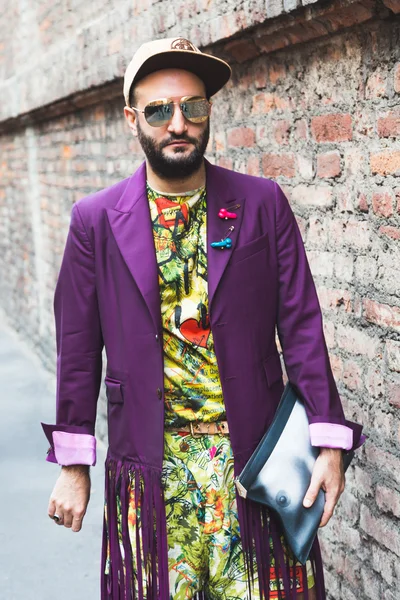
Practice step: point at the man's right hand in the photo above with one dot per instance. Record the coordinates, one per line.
(70, 496)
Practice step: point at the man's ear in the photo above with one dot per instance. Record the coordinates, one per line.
(130, 116)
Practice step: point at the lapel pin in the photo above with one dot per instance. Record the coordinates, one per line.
(225, 242)
(224, 214)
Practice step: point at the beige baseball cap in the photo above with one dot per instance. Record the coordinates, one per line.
(181, 54)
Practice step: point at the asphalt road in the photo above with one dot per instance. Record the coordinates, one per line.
(39, 559)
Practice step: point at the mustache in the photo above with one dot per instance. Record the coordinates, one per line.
(179, 138)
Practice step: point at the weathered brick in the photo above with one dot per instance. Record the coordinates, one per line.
(394, 392)
(350, 232)
(329, 332)
(384, 461)
(267, 102)
(253, 166)
(389, 125)
(388, 500)
(376, 85)
(332, 584)
(386, 162)
(337, 557)
(345, 199)
(305, 166)
(371, 583)
(352, 375)
(382, 203)
(344, 267)
(328, 164)
(302, 226)
(393, 355)
(396, 82)
(219, 139)
(346, 594)
(321, 263)
(392, 232)
(331, 299)
(397, 193)
(273, 41)
(305, 195)
(394, 5)
(242, 49)
(301, 127)
(363, 486)
(276, 73)
(241, 137)
(260, 76)
(352, 569)
(348, 16)
(380, 529)
(317, 232)
(384, 425)
(337, 367)
(225, 162)
(382, 562)
(375, 382)
(281, 130)
(275, 165)
(356, 342)
(274, 8)
(354, 162)
(382, 314)
(332, 128)
(363, 202)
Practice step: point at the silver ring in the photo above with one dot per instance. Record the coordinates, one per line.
(56, 518)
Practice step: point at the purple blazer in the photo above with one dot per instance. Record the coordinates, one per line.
(107, 295)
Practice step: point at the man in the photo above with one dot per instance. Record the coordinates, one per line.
(182, 271)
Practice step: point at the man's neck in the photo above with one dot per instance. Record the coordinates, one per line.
(176, 186)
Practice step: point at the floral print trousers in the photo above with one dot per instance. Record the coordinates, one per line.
(204, 547)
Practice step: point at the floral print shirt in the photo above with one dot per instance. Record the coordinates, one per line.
(191, 376)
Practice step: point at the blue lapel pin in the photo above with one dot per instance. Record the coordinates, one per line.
(226, 242)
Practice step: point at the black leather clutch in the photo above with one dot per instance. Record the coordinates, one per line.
(278, 474)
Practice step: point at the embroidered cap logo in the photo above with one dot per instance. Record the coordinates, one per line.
(182, 44)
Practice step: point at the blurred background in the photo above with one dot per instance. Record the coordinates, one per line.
(314, 104)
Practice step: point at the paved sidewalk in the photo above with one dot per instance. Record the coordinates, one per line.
(39, 560)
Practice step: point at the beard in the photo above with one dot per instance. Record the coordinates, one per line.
(181, 164)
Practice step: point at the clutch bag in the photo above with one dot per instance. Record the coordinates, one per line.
(278, 474)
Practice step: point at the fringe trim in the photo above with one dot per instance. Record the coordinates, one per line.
(148, 578)
(257, 525)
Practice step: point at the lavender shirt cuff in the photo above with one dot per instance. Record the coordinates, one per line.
(331, 435)
(74, 448)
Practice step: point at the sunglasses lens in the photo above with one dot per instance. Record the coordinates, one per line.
(196, 110)
(158, 114)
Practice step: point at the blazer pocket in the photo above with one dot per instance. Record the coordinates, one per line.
(114, 390)
(273, 369)
(250, 248)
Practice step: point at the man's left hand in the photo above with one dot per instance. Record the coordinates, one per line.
(328, 474)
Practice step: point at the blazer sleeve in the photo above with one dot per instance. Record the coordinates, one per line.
(301, 335)
(79, 343)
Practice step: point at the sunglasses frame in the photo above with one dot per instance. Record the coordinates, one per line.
(164, 101)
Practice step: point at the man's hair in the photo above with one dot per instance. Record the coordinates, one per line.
(132, 96)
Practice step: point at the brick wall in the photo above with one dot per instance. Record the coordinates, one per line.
(313, 103)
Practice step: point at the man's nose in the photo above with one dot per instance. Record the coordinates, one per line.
(178, 123)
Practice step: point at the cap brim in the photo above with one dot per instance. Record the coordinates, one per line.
(213, 71)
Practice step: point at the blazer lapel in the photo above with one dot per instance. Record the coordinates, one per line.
(131, 225)
(220, 195)
(130, 222)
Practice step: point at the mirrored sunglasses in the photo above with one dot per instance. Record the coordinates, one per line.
(157, 113)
